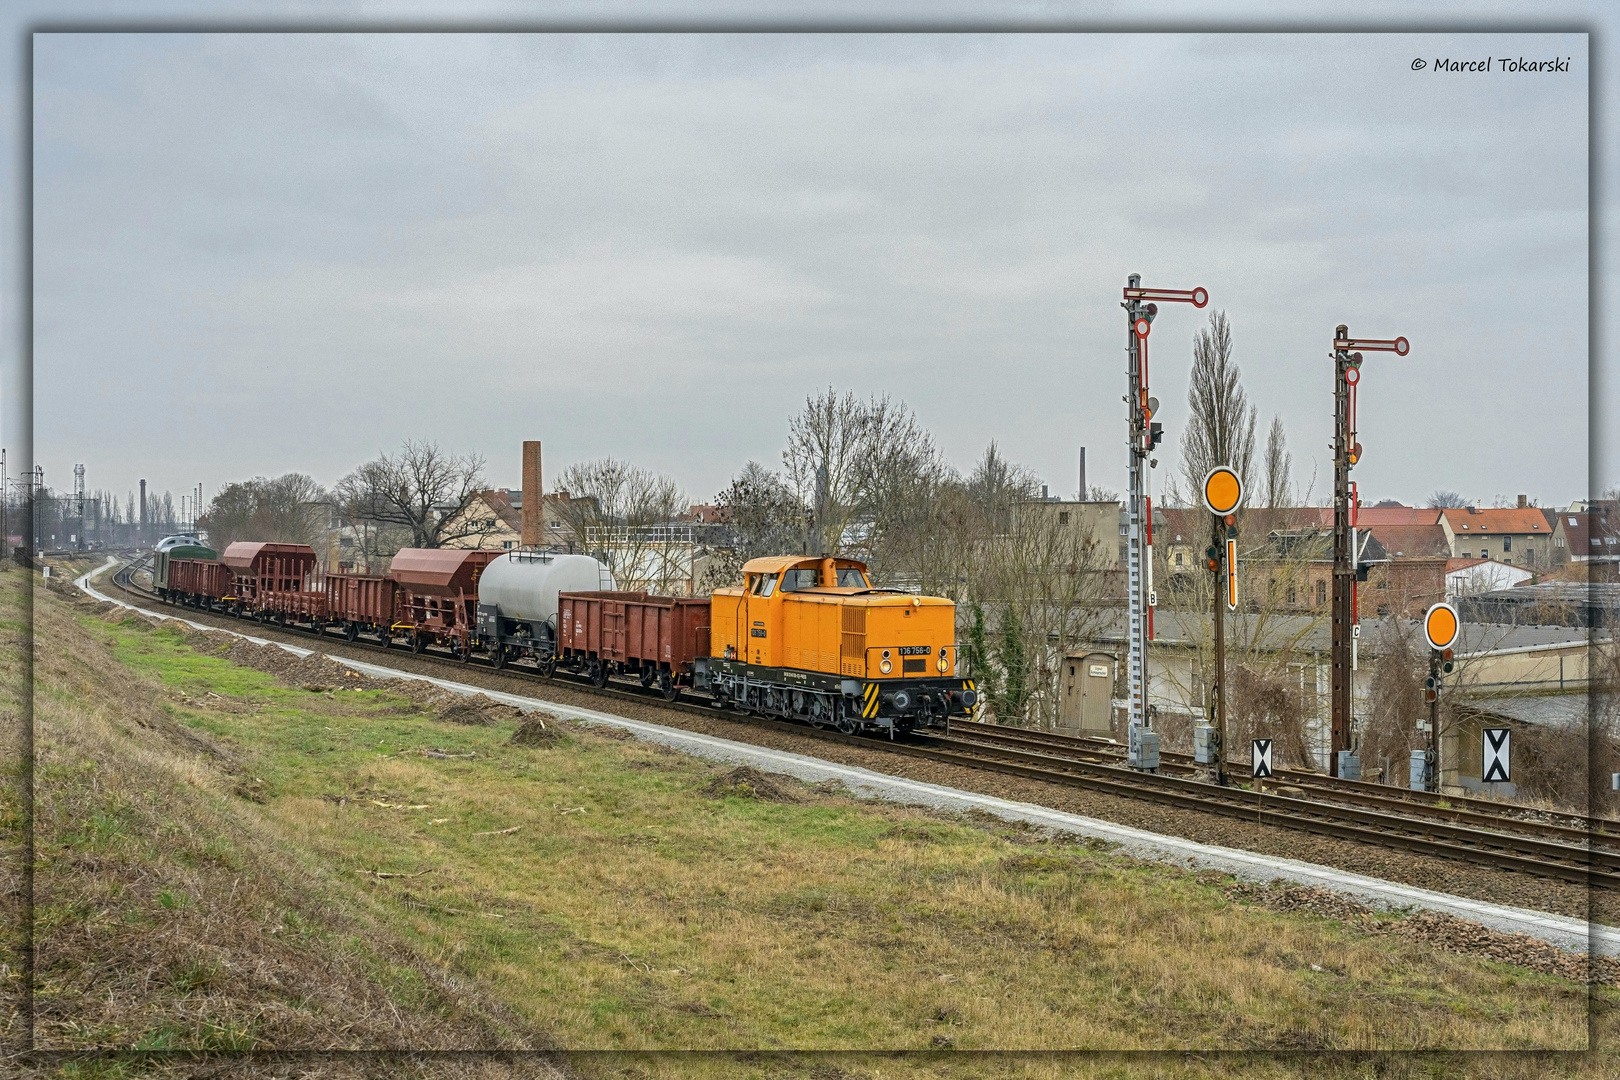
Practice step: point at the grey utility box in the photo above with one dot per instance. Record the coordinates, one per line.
(1147, 756)
(1203, 744)
(1420, 768)
(1349, 766)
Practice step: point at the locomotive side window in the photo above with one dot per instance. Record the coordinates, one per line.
(769, 587)
(850, 577)
(754, 581)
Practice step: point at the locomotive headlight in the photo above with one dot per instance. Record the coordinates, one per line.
(885, 667)
(944, 663)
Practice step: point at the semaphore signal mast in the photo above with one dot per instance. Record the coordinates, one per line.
(1141, 306)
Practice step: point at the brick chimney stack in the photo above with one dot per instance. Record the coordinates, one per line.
(532, 516)
(1524, 501)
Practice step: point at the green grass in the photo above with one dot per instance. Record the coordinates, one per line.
(633, 910)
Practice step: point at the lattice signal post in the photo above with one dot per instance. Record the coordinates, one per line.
(1141, 306)
(1346, 453)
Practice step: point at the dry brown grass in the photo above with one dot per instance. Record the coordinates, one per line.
(166, 926)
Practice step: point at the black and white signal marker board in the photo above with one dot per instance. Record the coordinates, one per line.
(1498, 743)
(1262, 759)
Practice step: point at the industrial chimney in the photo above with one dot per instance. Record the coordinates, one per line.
(533, 517)
(142, 538)
(1083, 488)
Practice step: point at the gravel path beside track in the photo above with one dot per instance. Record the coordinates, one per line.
(1437, 875)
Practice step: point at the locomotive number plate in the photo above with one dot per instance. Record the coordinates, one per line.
(915, 650)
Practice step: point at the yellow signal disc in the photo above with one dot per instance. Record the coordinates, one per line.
(1222, 490)
(1440, 626)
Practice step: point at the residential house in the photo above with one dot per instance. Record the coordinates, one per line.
(1515, 535)
(1590, 538)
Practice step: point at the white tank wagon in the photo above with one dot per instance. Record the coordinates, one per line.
(517, 602)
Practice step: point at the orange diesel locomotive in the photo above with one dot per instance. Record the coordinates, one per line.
(811, 639)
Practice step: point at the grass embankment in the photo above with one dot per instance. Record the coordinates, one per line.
(618, 896)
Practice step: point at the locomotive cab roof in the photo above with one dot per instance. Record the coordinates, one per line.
(826, 570)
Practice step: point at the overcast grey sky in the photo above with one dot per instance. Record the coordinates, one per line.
(256, 253)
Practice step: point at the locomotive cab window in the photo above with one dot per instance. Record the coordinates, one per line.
(767, 586)
(850, 577)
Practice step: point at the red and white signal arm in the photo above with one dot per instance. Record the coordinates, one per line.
(1442, 626)
(1142, 327)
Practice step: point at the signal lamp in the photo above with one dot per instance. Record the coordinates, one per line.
(1150, 310)
(1430, 695)
(1447, 666)
(1445, 654)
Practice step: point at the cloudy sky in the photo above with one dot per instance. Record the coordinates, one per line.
(259, 253)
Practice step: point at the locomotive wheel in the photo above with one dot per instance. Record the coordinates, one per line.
(351, 631)
(599, 674)
(667, 687)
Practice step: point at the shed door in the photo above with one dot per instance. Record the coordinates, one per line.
(1096, 679)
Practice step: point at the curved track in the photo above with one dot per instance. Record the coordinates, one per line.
(1560, 846)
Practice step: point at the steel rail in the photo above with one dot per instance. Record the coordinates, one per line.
(1380, 830)
(1597, 826)
(1391, 804)
(1374, 823)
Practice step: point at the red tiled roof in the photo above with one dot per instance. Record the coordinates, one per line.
(1584, 539)
(1411, 541)
(1507, 519)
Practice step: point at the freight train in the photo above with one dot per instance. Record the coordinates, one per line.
(803, 637)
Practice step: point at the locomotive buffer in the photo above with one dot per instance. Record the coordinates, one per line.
(1144, 434)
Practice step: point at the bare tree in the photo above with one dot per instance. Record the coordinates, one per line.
(996, 485)
(869, 472)
(760, 516)
(626, 515)
(420, 491)
(1220, 420)
(290, 509)
(1446, 499)
(1278, 467)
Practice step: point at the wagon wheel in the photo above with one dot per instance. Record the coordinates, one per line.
(463, 650)
(351, 631)
(548, 667)
(498, 655)
(418, 641)
(647, 677)
(599, 674)
(667, 687)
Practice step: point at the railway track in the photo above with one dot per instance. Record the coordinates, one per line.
(1588, 853)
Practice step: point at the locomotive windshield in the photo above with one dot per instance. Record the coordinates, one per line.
(802, 578)
(850, 577)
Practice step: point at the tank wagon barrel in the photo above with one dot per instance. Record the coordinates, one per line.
(518, 600)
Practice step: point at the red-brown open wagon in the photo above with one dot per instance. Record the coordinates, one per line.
(362, 603)
(655, 638)
(198, 582)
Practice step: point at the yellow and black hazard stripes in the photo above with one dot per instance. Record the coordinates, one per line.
(870, 707)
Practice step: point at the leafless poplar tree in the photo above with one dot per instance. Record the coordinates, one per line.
(1278, 467)
(1220, 419)
(420, 490)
